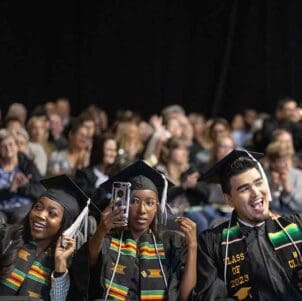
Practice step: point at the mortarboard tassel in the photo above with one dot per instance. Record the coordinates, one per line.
(163, 201)
(81, 222)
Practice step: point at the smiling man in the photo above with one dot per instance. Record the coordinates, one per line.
(256, 254)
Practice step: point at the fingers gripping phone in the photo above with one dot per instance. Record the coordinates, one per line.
(121, 199)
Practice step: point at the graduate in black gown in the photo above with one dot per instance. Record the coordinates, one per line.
(141, 261)
(34, 256)
(256, 255)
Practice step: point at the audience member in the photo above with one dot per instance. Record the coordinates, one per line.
(285, 180)
(19, 179)
(75, 156)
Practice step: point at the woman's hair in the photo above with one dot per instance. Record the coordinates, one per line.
(276, 150)
(171, 144)
(97, 150)
(21, 132)
(4, 133)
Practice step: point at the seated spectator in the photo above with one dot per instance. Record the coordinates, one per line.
(218, 208)
(189, 198)
(174, 159)
(33, 150)
(130, 146)
(19, 179)
(38, 133)
(13, 123)
(75, 156)
(56, 136)
(285, 180)
(102, 157)
(63, 109)
(17, 110)
(217, 127)
(200, 148)
(100, 118)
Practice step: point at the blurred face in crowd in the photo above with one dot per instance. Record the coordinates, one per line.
(14, 124)
(289, 110)
(90, 126)
(80, 139)
(45, 219)
(133, 133)
(50, 108)
(250, 117)
(198, 126)
(179, 154)
(8, 148)
(63, 108)
(174, 127)
(223, 147)
(281, 164)
(22, 143)
(286, 138)
(110, 151)
(55, 124)
(219, 130)
(17, 110)
(37, 130)
(238, 122)
(249, 196)
(143, 208)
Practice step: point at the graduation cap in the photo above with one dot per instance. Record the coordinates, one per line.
(220, 169)
(141, 176)
(72, 198)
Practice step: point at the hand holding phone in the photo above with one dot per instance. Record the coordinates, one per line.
(121, 199)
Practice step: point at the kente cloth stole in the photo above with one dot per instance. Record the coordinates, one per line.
(138, 271)
(31, 274)
(239, 275)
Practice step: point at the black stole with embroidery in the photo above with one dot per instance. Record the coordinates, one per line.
(138, 272)
(31, 274)
(239, 276)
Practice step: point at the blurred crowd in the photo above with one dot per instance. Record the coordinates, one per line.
(50, 141)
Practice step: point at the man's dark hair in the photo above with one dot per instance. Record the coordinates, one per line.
(239, 166)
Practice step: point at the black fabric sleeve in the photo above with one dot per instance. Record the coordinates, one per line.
(34, 188)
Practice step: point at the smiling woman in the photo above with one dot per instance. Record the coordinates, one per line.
(38, 265)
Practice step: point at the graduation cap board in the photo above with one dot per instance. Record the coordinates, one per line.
(71, 197)
(219, 169)
(141, 176)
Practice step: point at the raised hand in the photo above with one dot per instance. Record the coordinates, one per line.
(188, 227)
(64, 249)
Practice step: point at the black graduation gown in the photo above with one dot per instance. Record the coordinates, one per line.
(86, 283)
(269, 276)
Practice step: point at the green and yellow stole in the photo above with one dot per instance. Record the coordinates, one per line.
(239, 275)
(30, 276)
(138, 272)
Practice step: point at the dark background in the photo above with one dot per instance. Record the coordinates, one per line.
(214, 56)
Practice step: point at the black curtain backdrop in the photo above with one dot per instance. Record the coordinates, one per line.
(217, 57)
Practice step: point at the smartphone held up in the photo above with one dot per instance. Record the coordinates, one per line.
(121, 199)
